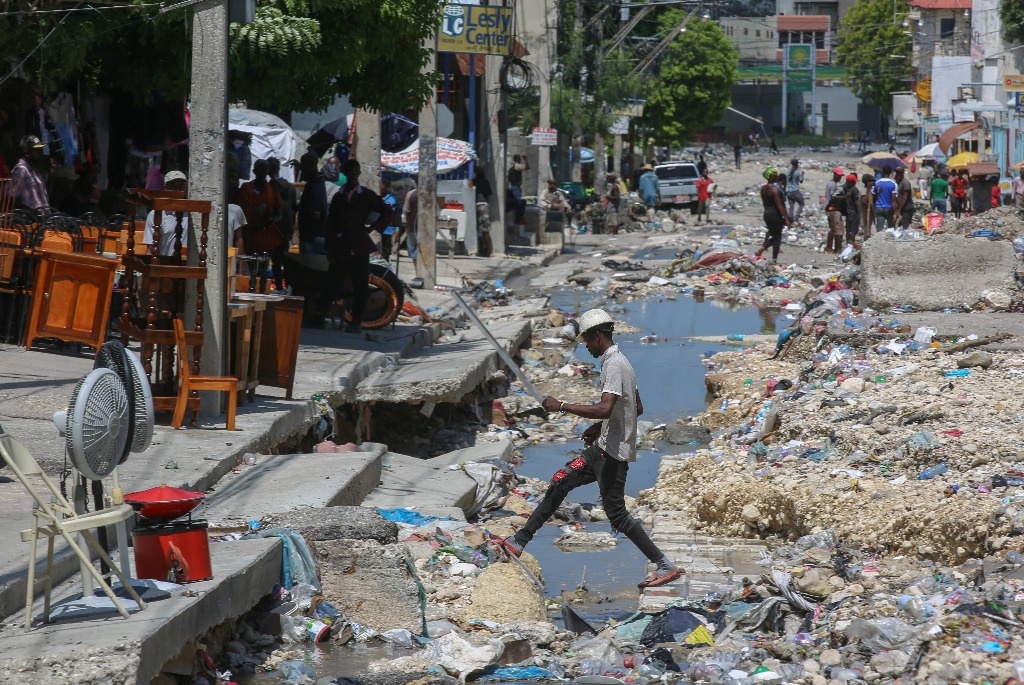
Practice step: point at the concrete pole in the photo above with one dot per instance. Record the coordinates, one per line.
(617, 154)
(495, 153)
(426, 184)
(600, 155)
(208, 132)
(368, 148)
(538, 8)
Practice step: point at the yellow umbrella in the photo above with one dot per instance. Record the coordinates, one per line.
(961, 160)
(1018, 165)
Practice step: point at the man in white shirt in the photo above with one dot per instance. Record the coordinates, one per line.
(611, 447)
(173, 180)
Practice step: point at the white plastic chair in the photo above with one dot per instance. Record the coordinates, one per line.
(57, 517)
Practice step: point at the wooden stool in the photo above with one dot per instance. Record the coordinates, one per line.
(190, 383)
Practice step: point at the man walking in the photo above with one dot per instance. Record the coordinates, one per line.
(312, 206)
(1018, 189)
(940, 191)
(704, 184)
(885, 192)
(834, 209)
(904, 212)
(611, 446)
(348, 242)
(794, 177)
(286, 224)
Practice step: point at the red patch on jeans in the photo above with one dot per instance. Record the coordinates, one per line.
(559, 475)
(578, 464)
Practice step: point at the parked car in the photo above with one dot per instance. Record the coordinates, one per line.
(677, 183)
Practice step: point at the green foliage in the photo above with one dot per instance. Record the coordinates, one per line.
(274, 35)
(875, 49)
(693, 85)
(1011, 14)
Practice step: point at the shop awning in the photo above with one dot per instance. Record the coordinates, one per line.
(954, 132)
(983, 169)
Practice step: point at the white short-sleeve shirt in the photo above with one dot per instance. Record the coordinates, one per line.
(618, 431)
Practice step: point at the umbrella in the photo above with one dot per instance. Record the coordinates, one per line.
(330, 133)
(877, 160)
(1017, 166)
(961, 160)
(930, 151)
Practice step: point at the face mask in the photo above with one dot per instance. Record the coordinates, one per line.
(342, 179)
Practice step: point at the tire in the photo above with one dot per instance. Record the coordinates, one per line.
(386, 298)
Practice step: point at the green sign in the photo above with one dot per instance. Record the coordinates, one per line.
(474, 28)
(798, 82)
(799, 67)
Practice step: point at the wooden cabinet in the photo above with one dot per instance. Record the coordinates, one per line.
(279, 347)
(71, 298)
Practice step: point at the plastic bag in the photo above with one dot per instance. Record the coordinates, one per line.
(295, 672)
(517, 673)
(397, 636)
(596, 648)
(880, 633)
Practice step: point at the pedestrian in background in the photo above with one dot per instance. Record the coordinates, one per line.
(866, 207)
(614, 193)
(775, 215)
(704, 185)
(286, 224)
(1018, 190)
(349, 245)
(610, 448)
(774, 147)
(737, 151)
(924, 180)
(313, 206)
(904, 209)
(940, 190)
(387, 236)
(262, 207)
(650, 193)
(851, 194)
(835, 209)
(884, 192)
(794, 177)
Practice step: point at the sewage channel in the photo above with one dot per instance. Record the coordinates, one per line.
(670, 376)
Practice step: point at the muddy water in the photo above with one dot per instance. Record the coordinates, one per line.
(670, 376)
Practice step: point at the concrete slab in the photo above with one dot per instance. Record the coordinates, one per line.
(943, 271)
(432, 484)
(135, 649)
(278, 484)
(448, 373)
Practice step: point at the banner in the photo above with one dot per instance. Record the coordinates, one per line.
(451, 154)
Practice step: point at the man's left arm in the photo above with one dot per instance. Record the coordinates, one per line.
(385, 214)
(639, 404)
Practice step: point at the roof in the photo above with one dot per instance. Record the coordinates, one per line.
(803, 22)
(941, 4)
(954, 132)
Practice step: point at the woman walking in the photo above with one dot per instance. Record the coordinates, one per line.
(775, 215)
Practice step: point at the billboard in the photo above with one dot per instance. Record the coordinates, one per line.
(483, 30)
(799, 63)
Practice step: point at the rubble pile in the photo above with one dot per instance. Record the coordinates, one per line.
(1006, 221)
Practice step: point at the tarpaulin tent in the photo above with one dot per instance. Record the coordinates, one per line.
(271, 137)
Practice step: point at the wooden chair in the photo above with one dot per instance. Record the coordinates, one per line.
(11, 242)
(93, 225)
(187, 383)
(59, 233)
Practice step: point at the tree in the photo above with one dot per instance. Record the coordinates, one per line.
(875, 50)
(1011, 14)
(298, 54)
(692, 85)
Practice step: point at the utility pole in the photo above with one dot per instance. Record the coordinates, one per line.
(208, 133)
(426, 182)
(494, 99)
(539, 8)
(577, 134)
(368, 148)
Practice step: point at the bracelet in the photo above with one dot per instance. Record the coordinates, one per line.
(561, 407)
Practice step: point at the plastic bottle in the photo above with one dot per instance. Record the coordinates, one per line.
(915, 607)
(933, 471)
(724, 405)
(734, 337)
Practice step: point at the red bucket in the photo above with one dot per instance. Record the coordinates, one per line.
(176, 552)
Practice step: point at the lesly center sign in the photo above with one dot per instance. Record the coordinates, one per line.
(475, 28)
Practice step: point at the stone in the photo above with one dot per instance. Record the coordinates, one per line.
(814, 582)
(684, 434)
(750, 514)
(518, 505)
(998, 300)
(855, 385)
(830, 657)
(891, 662)
(555, 318)
(977, 359)
(503, 594)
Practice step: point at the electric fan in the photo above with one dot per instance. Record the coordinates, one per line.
(96, 424)
(113, 355)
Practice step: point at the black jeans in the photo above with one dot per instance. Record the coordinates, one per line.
(774, 223)
(610, 475)
(358, 269)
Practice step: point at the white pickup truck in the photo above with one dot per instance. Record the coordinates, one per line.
(677, 183)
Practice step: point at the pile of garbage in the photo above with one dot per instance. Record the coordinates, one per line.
(1006, 222)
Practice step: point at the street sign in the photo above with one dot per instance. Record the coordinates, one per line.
(478, 29)
(1013, 83)
(1019, 103)
(924, 90)
(547, 137)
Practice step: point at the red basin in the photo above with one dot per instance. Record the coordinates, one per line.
(164, 503)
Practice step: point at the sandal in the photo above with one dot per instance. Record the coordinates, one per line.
(656, 579)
